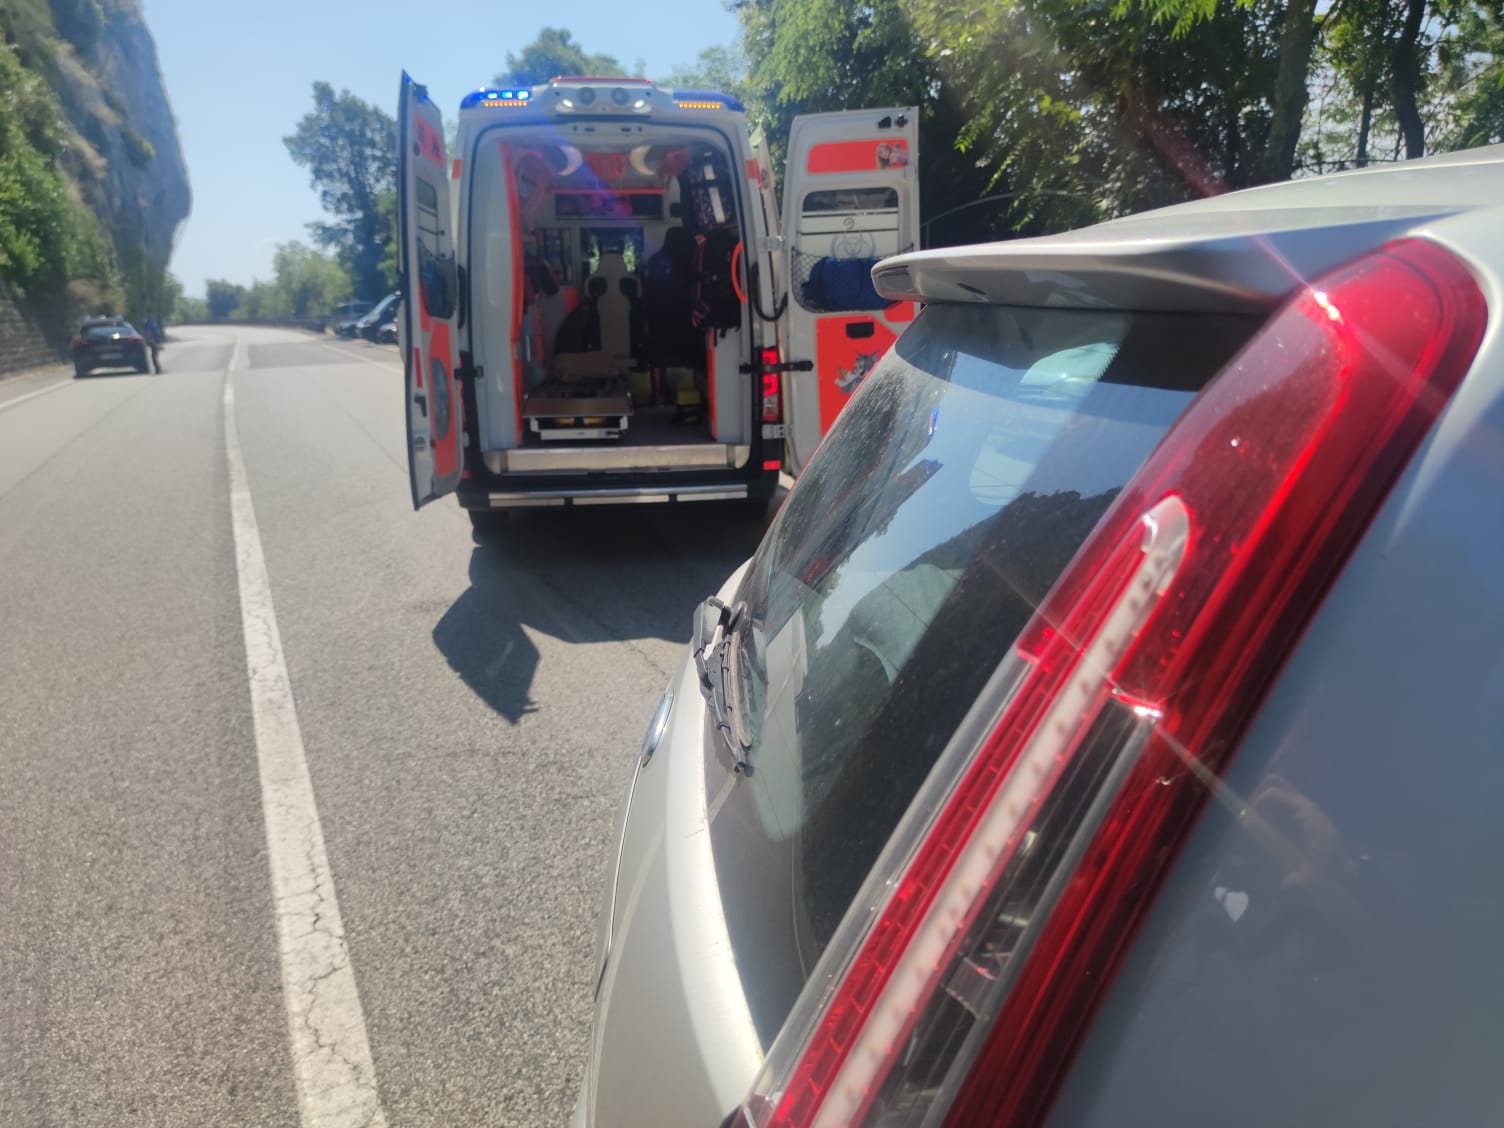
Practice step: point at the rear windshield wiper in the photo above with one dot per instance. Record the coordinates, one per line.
(715, 625)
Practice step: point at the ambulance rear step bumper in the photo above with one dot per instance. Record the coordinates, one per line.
(609, 496)
(630, 457)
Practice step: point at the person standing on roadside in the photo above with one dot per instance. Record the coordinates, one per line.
(151, 329)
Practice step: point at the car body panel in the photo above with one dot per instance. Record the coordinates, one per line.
(670, 991)
(1402, 665)
(1404, 654)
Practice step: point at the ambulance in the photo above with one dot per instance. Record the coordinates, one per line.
(603, 306)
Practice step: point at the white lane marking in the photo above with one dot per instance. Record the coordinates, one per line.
(331, 1054)
(33, 395)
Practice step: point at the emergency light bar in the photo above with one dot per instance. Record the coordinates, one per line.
(492, 98)
(706, 100)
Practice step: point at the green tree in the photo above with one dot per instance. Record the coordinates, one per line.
(169, 298)
(1473, 65)
(813, 56)
(349, 148)
(47, 238)
(260, 302)
(222, 298)
(386, 209)
(305, 283)
(553, 53)
(723, 69)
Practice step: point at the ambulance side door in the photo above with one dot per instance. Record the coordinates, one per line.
(430, 297)
(850, 198)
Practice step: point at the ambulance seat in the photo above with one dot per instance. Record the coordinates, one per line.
(612, 305)
(580, 331)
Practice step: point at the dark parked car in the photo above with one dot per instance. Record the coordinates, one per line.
(1109, 729)
(385, 313)
(387, 333)
(108, 342)
(345, 318)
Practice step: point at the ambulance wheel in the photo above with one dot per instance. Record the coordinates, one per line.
(488, 521)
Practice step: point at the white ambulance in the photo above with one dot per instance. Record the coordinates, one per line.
(602, 305)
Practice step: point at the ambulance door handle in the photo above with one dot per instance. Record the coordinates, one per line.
(860, 330)
(422, 401)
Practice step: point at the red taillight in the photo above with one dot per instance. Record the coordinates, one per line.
(772, 393)
(1126, 694)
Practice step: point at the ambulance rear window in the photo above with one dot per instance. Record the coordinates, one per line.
(850, 200)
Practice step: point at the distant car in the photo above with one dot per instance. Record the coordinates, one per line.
(108, 342)
(385, 312)
(387, 333)
(347, 316)
(1108, 729)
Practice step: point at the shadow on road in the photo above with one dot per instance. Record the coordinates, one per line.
(584, 576)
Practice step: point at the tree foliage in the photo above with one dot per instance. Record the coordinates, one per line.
(553, 53)
(720, 68)
(304, 283)
(349, 148)
(386, 211)
(1074, 110)
(223, 298)
(47, 238)
(812, 56)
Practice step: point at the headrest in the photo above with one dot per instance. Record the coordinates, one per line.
(630, 287)
(596, 286)
(612, 267)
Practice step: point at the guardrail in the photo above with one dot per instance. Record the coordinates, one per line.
(312, 324)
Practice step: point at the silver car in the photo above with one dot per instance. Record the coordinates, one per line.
(1110, 727)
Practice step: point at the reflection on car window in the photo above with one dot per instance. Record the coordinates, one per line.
(947, 500)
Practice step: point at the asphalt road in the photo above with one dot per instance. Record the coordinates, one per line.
(469, 712)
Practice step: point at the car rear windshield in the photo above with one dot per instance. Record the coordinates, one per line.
(108, 332)
(943, 505)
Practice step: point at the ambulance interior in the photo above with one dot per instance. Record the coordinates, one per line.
(611, 348)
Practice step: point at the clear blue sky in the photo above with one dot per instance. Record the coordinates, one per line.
(240, 77)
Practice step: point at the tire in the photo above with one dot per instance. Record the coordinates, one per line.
(142, 367)
(80, 371)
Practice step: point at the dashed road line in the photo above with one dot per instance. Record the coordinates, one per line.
(331, 1053)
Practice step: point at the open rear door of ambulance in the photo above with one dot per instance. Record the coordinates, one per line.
(430, 293)
(850, 198)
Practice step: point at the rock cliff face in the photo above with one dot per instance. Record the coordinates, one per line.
(140, 185)
(119, 152)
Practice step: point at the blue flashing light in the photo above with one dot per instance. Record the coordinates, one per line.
(726, 100)
(488, 97)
